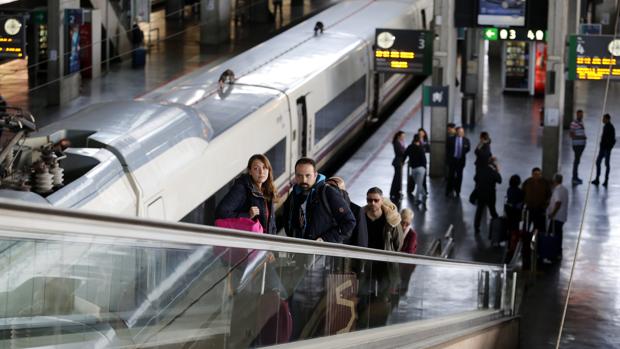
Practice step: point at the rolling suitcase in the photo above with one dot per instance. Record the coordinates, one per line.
(548, 246)
(138, 57)
(498, 230)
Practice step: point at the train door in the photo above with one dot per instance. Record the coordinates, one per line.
(302, 117)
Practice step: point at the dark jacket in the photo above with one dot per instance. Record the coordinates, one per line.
(483, 154)
(416, 155)
(452, 147)
(608, 139)
(486, 178)
(137, 36)
(399, 153)
(359, 236)
(514, 206)
(318, 222)
(241, 197)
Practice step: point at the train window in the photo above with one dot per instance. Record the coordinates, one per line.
(331, 115)
(277, 157)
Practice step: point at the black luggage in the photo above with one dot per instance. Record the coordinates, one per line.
(138, 57)
(498, 230)
(549, 246)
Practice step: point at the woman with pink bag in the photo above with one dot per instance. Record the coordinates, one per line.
(251, 199)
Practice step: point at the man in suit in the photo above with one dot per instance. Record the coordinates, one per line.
(458, 147)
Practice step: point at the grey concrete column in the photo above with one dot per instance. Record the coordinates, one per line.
(554, 94)
(61, 89)
(174, 9)
(215, 15)
(444, 74)
(96, 36)
(569, 95)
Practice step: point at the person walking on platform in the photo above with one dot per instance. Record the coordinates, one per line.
(253, 195)
(558, 212)
(578, 136)
(486, 178)
(458, 147)
(398, 142)
(537, 192)
(417, 167)
(306, 215)
(608, 140)
(483, 151)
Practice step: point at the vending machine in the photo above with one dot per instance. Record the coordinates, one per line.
(518, 68)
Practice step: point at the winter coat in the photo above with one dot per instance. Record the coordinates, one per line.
(319, 223)
(483, 154)
(392, 231)
(410, 242)
(399, 153)
(242, 196)
(486, 178)
(417, 156)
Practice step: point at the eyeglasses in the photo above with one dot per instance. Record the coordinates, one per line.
(371, 200)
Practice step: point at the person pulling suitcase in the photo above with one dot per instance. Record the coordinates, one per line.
(557, 212)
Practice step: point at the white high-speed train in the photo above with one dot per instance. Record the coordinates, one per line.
(166, 155)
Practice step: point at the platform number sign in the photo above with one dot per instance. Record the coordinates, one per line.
(514, 34)
(403, 51)
(12, 37)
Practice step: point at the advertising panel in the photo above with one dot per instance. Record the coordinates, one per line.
(502, 12)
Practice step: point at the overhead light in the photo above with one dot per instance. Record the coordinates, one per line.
(2, 2)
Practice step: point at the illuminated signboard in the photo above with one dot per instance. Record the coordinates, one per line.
(516, 34)
(501, 12)
(403, 51)
(12, 37)
(593, 57)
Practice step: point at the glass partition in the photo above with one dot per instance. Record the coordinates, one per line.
(81, 290)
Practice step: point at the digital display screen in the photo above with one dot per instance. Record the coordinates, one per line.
(502, 12)
(595, 57)
(514, 34)
(403, 51)
(12, 37)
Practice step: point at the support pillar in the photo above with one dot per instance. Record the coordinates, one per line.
(61, 88)
(216, 17)
(555, 87)
(174, 9)
(444, 74)
(574, 15)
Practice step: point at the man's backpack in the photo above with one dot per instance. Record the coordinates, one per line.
(325, 204)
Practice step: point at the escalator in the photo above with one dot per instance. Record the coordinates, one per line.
(73, 279)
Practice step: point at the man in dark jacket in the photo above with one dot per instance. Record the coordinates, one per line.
(458, 147)
(608, 140)
(306, 217)
(486, 179)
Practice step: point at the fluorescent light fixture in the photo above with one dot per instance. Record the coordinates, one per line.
(2, 2)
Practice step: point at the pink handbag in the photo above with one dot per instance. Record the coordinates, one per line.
(238, 255)
(244, 224)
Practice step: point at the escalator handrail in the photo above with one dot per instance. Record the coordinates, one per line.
(48, 223)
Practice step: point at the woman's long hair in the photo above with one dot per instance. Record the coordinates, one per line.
(396, 135)
(268, 188)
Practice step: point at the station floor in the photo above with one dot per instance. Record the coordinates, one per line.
(593, 312)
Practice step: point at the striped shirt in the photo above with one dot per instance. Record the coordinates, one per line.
(578, 133)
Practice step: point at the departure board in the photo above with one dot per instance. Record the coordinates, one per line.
(12, 37)
(593, 57)
(403, 51)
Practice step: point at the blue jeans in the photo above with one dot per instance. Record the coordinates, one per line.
(603, 154)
